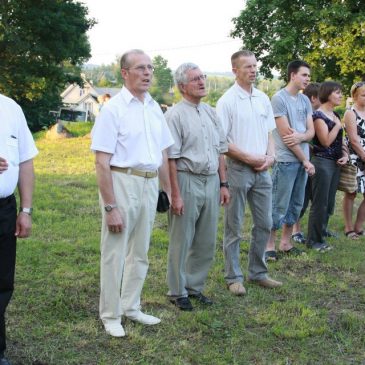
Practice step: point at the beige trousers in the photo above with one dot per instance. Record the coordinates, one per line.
(124, 261)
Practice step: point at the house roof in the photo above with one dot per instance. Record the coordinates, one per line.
(107, 90)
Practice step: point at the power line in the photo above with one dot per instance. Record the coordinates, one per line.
(177, 48)
(192, 46)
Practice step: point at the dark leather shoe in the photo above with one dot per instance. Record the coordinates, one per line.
(4, 361)
(201, 298)
(182, 303)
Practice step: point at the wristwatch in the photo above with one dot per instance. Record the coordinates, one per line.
(224, 184)
(28, 211)
(109, 207)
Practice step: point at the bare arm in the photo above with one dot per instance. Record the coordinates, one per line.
(326, 137)
(163, 174)
(291, 137)
(351, 130)
(114, 218)
(293, 142)
(177, 204)
(270, 155)
(247, 158)
(25, 187)
(224, 192)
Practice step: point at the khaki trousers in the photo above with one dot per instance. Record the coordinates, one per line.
(124, 261)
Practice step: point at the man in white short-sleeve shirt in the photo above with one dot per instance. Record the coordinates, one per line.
(17, 150)
(129, 138)
(247, 119)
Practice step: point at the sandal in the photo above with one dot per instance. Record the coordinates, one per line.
(298, 237)
(360, 233)
(271, 256)
(352, 235)
(293, 252)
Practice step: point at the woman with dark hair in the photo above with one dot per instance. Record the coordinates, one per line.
(328, 156)
(355, 130)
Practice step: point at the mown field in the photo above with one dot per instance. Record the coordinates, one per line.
(317, 317)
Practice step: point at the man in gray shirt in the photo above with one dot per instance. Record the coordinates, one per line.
(198, 185)
(294, 129)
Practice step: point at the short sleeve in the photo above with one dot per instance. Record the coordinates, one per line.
(105, 131)
(224, 115)
(174, 124)
(278, 106)
(27, 148)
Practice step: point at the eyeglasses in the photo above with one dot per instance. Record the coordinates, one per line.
(141, 68)
(198, 78)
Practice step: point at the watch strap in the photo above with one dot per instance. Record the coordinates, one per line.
(28, 211)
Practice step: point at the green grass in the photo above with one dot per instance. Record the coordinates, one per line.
(317, 317)
(78, 129)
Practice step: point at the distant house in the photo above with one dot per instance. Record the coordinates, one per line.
(83, 103)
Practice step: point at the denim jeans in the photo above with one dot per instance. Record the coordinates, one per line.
(246, 185)
(289, 181)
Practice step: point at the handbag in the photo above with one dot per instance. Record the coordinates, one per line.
(348, 181)
(163, 203)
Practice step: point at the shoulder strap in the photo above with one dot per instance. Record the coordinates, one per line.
(357, 115)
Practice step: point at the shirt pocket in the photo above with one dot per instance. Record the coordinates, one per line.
(12, 145)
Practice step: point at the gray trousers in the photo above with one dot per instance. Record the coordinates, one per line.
(193, 234)
(324, 187)
(256, 188)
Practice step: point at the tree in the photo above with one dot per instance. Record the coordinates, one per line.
(329, 34)
(42, 45)
(104, 75)
(162, 81)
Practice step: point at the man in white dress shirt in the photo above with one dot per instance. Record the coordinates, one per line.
(17, 150)
(247, 119)
(129, 138)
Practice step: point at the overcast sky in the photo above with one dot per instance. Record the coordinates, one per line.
(180, 31)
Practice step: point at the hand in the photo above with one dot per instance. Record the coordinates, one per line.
(23, 225)
(309, 168)
(114, 221)
(3, 165)
(269, 161)
(225, 197)
(342, 161)
(177, 205)
(293, 138)
(338, 122)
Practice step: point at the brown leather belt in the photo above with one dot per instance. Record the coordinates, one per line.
(130, 171)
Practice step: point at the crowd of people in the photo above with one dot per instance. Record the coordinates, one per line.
(203, 158)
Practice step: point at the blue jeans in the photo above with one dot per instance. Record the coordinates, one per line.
(289, 181)
(254, 188)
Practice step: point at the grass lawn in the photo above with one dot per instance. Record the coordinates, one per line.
(317, 317)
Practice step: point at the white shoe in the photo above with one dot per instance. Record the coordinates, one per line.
(145, 319)
(114, 329)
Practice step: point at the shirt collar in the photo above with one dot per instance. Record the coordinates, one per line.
(189, 103)
(128, 96)
(243, 93)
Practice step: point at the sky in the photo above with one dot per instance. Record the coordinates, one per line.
(180, 31)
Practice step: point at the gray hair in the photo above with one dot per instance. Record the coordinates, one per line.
(180, 73)
(124, 60)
